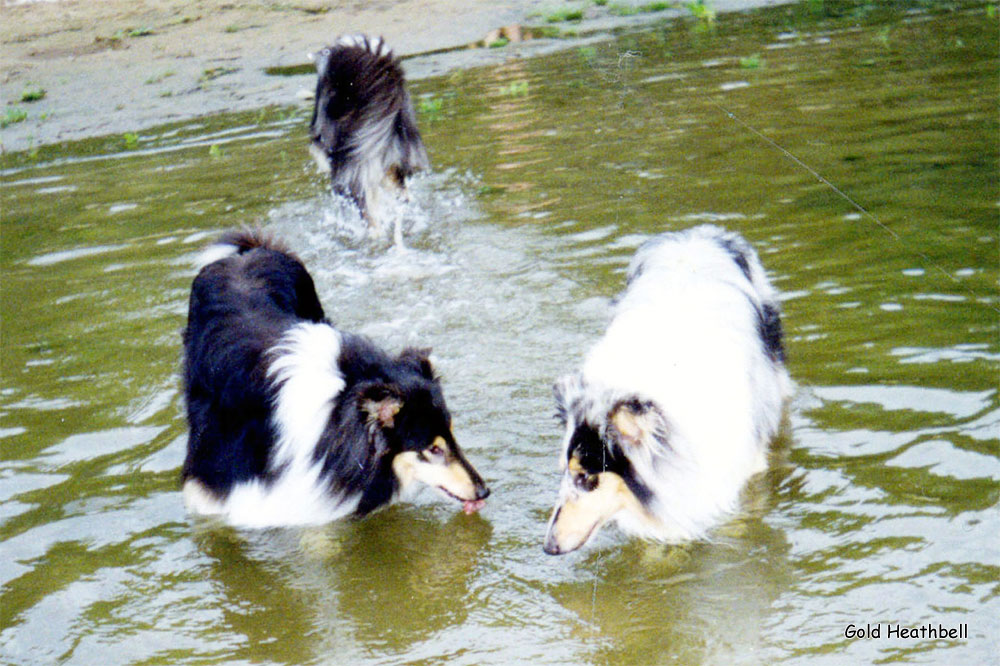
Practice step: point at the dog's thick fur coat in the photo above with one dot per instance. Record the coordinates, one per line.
(364, 128)
(293, 421)
(674, 407)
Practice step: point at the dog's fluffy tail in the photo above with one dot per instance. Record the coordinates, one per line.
(238, 241)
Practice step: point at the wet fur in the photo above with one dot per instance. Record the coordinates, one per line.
(364, 128)
(680, 397)
(291, 420)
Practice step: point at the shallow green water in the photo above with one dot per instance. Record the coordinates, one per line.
(881, 505)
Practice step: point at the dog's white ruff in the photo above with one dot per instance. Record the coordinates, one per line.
(304, 367)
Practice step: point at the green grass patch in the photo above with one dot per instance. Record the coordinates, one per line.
(499, 43)
(430, 107)
(159, 77)
(701, 10)
(13, 115)
(291, 7)
(562, 15)
(291, 70)
(751, 62)
(233, 27)
(622, 10)
(216, 72)
(515, 89)
(117, 38)
(618, 9)
(487, 190)
(546, 32)
(114, 40)
(32, 94)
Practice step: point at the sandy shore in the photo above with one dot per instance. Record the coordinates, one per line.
(117, 66)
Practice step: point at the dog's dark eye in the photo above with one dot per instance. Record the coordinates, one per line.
(584, 481)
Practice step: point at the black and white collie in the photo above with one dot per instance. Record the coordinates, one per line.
(674, 407)
(293, 421)
(364, 129)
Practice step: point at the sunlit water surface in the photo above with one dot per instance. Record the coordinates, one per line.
(881, 502)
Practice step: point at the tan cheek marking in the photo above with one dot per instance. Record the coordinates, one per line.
(630, 425)
(573, 523)
(460, 477)
(451, 476)
(404, 466)
(574, 466)
(626, 500)
(577, 519)
(623, 496)
(609, 496)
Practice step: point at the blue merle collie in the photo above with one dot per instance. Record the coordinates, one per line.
(293, 421)
(674, 407)
(363, 128)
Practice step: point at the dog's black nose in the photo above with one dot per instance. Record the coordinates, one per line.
(482, 492)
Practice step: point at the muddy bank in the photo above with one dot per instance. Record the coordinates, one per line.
(121, 66)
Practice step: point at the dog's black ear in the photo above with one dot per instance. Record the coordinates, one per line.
(559, 393)
(420, 358)
(637, 422)
(380, 403)
(567, 391)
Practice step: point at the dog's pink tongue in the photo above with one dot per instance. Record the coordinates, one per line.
(471, 506)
